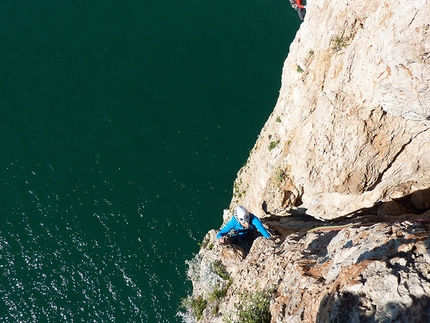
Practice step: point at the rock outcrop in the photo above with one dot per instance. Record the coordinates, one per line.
(340, 175)
(361, 273)
(351, 125)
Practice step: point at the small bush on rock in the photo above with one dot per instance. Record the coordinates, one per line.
(193, 307)
(220, 270)
(253, 308)
(273, 144)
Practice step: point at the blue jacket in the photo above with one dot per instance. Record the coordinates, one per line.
(234, 225)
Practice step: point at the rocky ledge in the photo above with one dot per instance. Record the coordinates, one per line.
(355, 272)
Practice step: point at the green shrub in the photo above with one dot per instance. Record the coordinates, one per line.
(339, 42)
(218, 294)
(273, 144)
(220, 270)
(253, 308)
(195, 306)
(280, 175)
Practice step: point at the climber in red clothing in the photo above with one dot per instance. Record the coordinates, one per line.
(301, 9)
(298, 3)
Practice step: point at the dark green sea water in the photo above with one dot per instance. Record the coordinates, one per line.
(123, 125)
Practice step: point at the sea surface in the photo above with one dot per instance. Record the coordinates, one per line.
(123, 125)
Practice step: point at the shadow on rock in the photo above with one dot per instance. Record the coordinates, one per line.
(349, 307)
(318, 246)
(416, 203)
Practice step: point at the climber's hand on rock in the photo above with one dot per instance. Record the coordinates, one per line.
(222, 240)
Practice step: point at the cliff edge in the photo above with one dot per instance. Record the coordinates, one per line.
(340, 177)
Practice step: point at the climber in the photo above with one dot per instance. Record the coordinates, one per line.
(301, 9)
(299, 4)
(240, 227)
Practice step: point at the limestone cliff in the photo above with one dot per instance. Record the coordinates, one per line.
(351, 125)
(347, 145)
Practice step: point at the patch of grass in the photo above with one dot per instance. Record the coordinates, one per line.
(339, 42)
(220, 291)
(218, 294)
(194, 306)
(273, 144)
(253, 308)
(311, 52)
(299, 69)
(237, 192)
(220, 270)
(256, 309)
(216, 297)
(278, 119)
(279, 175)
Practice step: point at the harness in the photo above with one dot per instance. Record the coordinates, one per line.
(241, 231)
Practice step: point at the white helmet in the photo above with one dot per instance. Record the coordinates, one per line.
(241, 214)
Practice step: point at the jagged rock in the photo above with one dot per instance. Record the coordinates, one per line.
(279, 196)
(378, 273)
(421, 199)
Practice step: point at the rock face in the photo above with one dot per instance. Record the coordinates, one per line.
(369, 273)
(347, 145)
(351, 125)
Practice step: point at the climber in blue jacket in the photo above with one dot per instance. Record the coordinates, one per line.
(240, 225)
